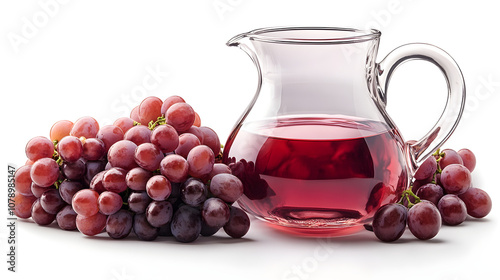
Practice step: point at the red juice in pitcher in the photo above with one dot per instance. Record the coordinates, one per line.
(317, 173)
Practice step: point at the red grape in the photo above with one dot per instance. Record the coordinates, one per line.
(91, 225)
(201, 161)
(93, 149)
(85, 202)
(171, 100)
(134, 114)
(74, 170)
(137, 178)
(138, 134)
(424, 220)
(450, 157)
(158, 187)
(150, 109)
(175, 168)
(389, 222)
(210, 139)
(197, 120)
(426, 169)
(148, 156)
(121, 154)
(181, 116)
(124, 123)
(468, 158)
(86, 127)
(60, 129)
(197, 132)
(39, 147)
(109, 202)
(110, 134)
(96, 183)
(165, 137)
(44, 172)
(452, 209)
(70, 148)
(22, 180)
(456, 179)
(238, 224)
(22, 205)
(38, 191)
(187, 142)
(477, 201)
(114, 180)
(226, 187)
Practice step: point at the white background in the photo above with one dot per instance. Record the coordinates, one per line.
(90, 58)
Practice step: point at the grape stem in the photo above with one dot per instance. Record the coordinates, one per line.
(161, 120)
(440, 155)
(406, 195)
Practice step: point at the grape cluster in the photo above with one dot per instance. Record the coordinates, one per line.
(156, 173)
(442, 192)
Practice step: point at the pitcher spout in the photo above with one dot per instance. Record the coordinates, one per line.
(236, 40)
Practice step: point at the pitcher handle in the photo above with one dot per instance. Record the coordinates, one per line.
(419, 151)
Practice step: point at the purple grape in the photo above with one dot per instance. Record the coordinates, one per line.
(193, 192)
(138, 202)
(478, 202)
(456, 179)
(38, 191)
(51, 201)
(66, 218)
(452, 209)
(215, 212)
(389, 222)
(119, 225)
(67, 190)
(96, 183)
(186, 224)
(226, 187)
(40, 216)
(93, 167)
(424, 220)
(430, 192)
(143, 229)
(427, 169)
(74, 170)
(238, 224)
(207, 230)
(159, 213)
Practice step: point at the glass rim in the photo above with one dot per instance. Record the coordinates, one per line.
(352, 35)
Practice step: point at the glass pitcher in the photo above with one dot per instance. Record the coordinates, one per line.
(315, 149)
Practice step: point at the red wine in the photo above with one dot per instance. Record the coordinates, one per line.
(317, 173)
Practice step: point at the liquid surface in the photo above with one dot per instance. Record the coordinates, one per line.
(317, 174)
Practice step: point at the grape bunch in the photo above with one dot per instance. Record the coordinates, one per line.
(155, 173)
(441, 193)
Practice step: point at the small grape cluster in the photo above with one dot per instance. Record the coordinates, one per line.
(441, 192)
(156, 173)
